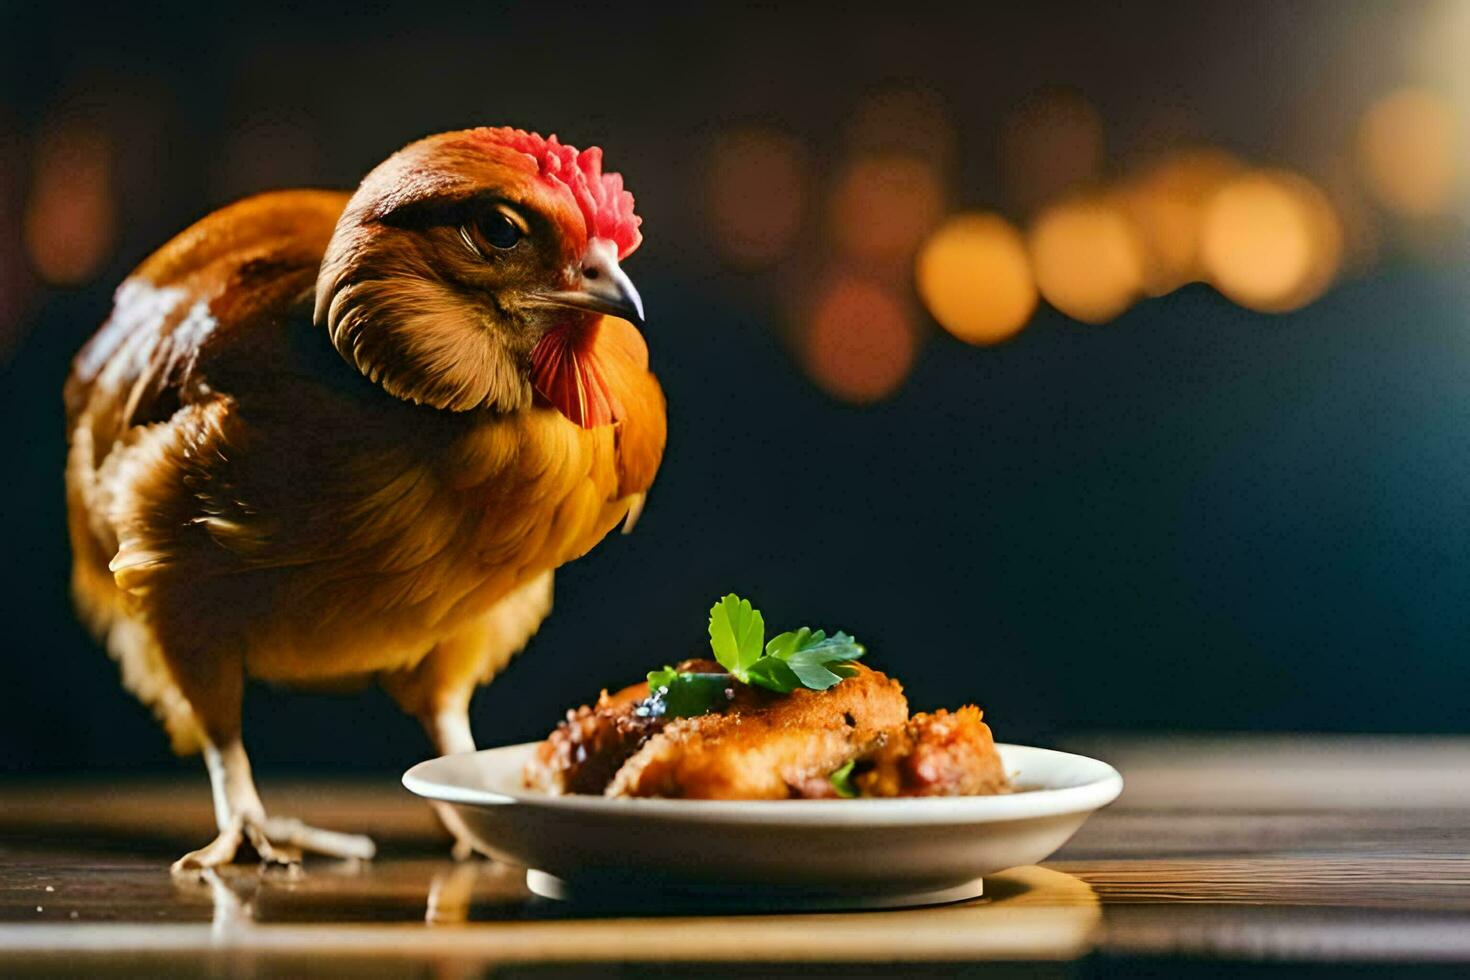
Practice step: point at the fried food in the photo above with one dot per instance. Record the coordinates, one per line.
(764, 745)
(940, 754)
(588, 748)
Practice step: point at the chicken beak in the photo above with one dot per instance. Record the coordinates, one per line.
(604, 286)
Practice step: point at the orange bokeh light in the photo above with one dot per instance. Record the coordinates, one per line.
(859, 341)
(756, 194)
(1166, 204)
(1087, 258)
(883, 206)
(1271, 241)
(70, 217)
(974, 277)
(1409, 151)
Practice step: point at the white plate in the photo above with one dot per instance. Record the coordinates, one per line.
(765, 853)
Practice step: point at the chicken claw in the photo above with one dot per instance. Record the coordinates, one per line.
(225, 847)
(217, 852)
(293, 833)
(240, 817)
(278, 841)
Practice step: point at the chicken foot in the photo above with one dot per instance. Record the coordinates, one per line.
(241, 817)
(449, 730)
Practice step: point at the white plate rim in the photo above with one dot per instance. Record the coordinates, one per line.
(1096, 792)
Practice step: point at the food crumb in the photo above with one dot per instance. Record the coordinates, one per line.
(39, 909)
(51, 888)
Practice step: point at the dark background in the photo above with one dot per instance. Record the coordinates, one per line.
(1195, 517)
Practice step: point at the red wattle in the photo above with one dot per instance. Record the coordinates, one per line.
(566, 371)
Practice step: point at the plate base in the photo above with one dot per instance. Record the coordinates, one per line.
(687, 898)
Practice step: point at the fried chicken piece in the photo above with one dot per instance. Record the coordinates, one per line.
(940, 754)
(765, 745)
(587, 749)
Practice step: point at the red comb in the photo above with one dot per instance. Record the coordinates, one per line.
(606, 206)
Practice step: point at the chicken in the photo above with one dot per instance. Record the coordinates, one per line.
(326, 440)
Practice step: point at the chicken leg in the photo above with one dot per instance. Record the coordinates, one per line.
(438, 689)
(241, 817)
(450, 733)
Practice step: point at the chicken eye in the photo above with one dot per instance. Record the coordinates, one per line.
(499, 231)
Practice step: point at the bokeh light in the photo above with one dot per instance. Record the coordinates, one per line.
(1166, 203)
(1271, 241)
(884, 204)
(1050, 144)
(859, 342)
(1439, 63)
(71, 215)
(1087, 258)
(1409, 150)
(756, 194)
(974, 277)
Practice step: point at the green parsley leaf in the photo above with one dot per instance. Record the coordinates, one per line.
(815, 658)
(773, 674)
(798, 658)
(736, 634)
(785, 644)
(841, 780)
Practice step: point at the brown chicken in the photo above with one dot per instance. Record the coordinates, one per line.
(325, 439)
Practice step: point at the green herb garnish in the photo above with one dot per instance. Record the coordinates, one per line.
(841, 780)
(804, 658)
(737, 635)
(684, 695)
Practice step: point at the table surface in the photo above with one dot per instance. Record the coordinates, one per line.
(1234, 850)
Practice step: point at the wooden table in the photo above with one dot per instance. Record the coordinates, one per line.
(1221, 853)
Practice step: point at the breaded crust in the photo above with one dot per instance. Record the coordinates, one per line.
(766, 745)
(589, 747)
(940, 754)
